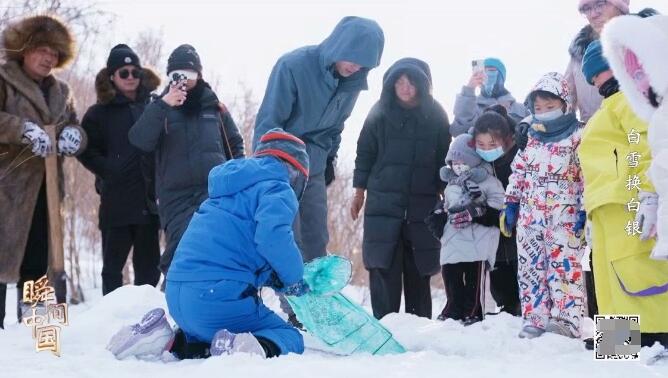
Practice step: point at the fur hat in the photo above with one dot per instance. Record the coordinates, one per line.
(463, 149)
(36, 31)
(285, 146)
(646, 39)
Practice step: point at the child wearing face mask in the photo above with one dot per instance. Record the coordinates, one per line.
(544, 201)
(467, 248)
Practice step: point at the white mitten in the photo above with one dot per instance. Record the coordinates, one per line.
(38, 138)
(69, 141)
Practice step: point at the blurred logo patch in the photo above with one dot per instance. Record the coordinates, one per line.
(617, 337)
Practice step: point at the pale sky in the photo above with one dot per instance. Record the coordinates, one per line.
(241, 40)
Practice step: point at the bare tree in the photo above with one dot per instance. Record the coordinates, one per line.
(244, 110)
(345, 235)
(150, 47)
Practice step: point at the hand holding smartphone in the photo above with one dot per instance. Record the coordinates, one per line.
(478, 66)
(478, 75)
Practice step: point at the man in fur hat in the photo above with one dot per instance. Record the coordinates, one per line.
(30, 98)
(124, 174)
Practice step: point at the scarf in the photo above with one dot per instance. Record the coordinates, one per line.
(556, 130)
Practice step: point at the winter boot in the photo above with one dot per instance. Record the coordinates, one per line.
(471, 320)
(589, 343)
(561, 327)
(146, 339)
(226, 342)
(444, 315)
(530, 331)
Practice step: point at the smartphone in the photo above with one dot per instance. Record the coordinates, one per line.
(178, 79)
(478, 65)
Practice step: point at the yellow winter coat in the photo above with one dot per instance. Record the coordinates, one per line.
(628, 282)
(605, 152)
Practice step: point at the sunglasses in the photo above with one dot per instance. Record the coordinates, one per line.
(125, 73)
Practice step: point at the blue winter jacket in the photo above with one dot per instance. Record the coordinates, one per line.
(243, 231)
(305, 97)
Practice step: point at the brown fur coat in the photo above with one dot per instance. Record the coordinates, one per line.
(21, 172)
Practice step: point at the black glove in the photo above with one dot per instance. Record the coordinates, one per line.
(436, 220)
(462, 217)
(522, 135)
(329, 170)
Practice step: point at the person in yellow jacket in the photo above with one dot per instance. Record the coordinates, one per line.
(621, 205)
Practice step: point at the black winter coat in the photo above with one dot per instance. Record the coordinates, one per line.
(188, 142)
(123, 173)
(399, 153)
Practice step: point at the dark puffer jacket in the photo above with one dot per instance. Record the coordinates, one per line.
(188, 142)
(399, 153)
(123, 173)
(507, 251)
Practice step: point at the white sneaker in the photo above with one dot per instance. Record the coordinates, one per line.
(226, 342)
(146, 339)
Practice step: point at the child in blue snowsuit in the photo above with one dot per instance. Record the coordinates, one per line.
(239, 241)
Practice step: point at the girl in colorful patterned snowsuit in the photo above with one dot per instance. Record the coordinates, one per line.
(544, 201)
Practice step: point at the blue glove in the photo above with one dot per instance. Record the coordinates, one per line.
(509, 218)
(296, 289)
(579, 225)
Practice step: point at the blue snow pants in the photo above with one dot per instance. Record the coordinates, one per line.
(202, 308)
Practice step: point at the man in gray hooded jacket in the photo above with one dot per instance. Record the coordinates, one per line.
(311, 92)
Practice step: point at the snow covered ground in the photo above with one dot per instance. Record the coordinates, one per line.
(443, 349)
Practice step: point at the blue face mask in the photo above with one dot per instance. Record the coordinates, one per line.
(490, 155)
(490, 81)
(549, 116)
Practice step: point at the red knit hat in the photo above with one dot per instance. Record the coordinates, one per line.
(277, 142)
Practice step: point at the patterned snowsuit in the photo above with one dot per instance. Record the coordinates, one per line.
(547, 183)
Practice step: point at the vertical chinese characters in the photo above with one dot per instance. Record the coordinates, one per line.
(44, 311)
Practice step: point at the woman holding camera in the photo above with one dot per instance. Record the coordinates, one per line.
(190, 133)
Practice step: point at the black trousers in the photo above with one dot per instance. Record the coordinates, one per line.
(36, 257)
(463, 287)
(385, 285)
(592, 305)
(504, 287)
(116, 245)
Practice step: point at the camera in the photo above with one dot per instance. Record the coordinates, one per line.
(178, 78)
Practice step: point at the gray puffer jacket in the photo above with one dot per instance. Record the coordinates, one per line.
(468, 107)
(475, 242)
